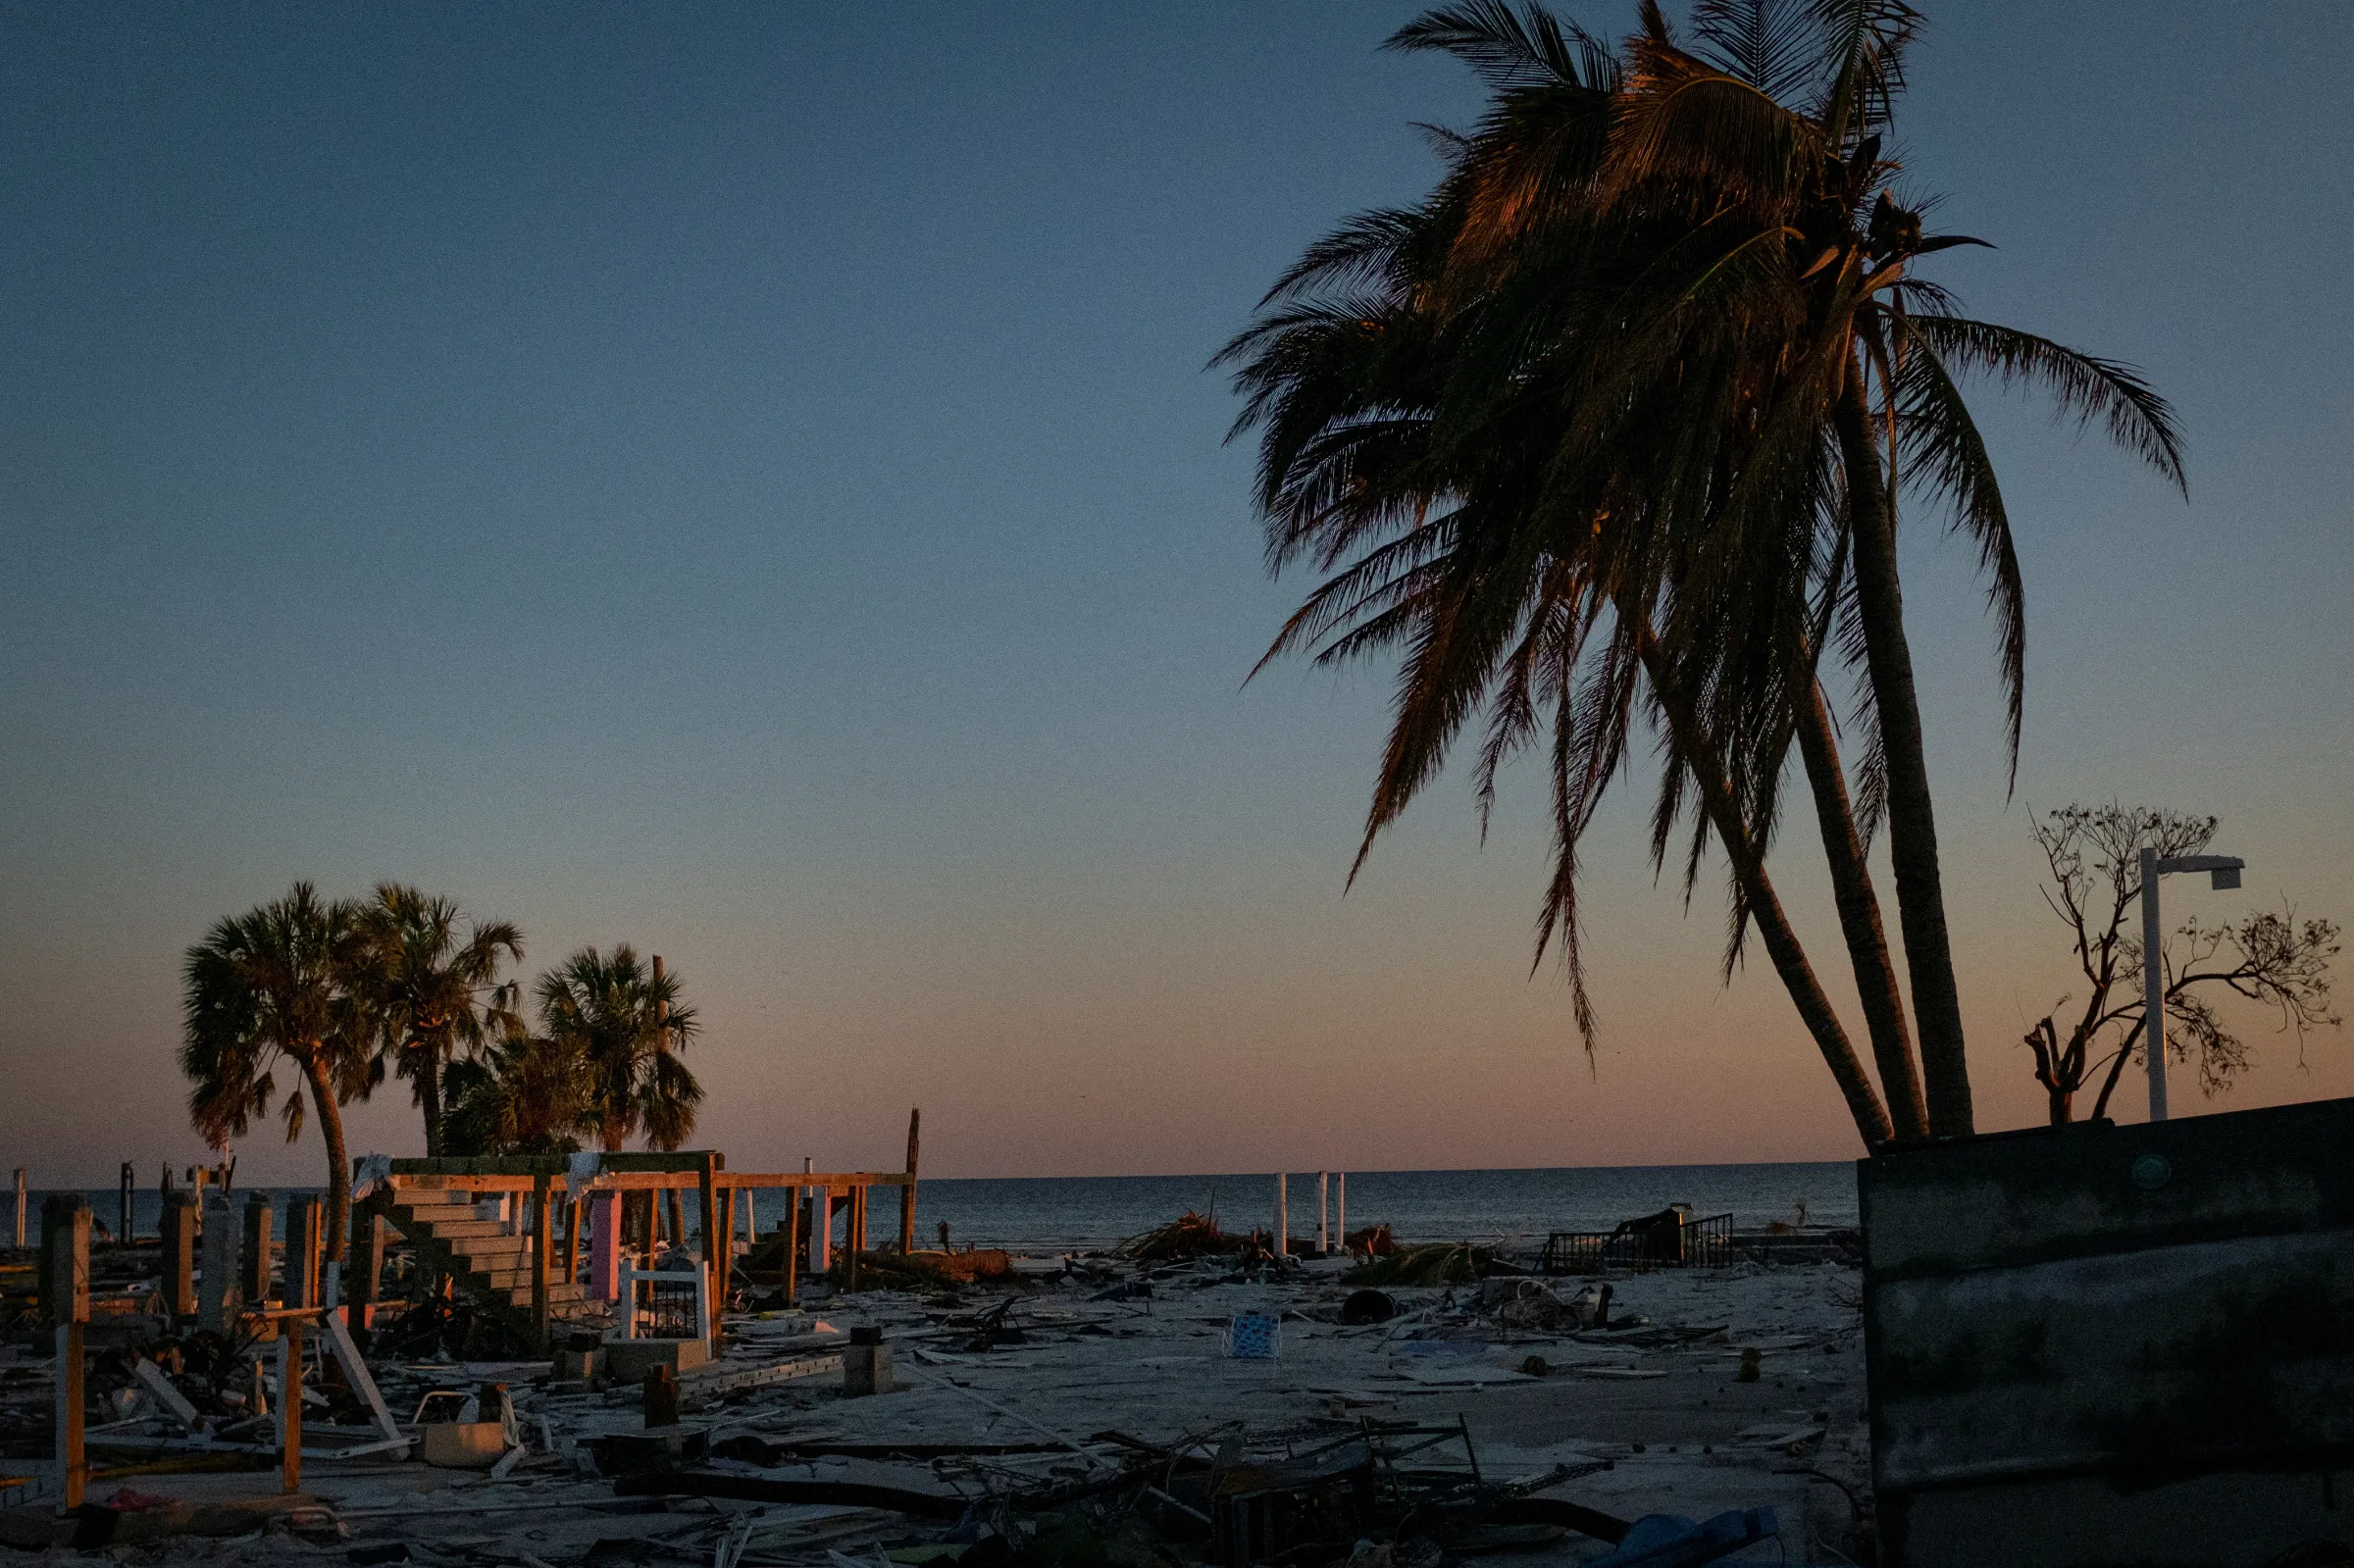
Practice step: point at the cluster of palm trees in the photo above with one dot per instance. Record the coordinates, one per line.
(1614, 425)
(339, 991)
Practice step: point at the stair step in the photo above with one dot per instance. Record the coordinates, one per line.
(469, 1227)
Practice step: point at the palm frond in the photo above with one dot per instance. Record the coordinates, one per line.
(1510, 48)
(2082, 384)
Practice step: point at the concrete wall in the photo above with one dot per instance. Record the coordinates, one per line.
(2106, 1344)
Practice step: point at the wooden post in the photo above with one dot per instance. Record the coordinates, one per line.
(710, 1202)
(289, 1402)
(1323, 1214)
(65, 1278)
(66, 1292)
(21, 1214)
(542, 1221)
(727, 1239)
(1282, 1218)
(915, 1128)
(607, 1212)
(125, 1233)
(303, 1250)
(573, 1209)
(363, 1276)
(218, 1299)
(1339, 1208)
(179, 1254)
(792, 1244)
(255, 1283)
(72, 1464)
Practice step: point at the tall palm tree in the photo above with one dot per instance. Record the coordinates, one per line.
(434, 989)
(1625, 397)
(625, 1021)
(275, 984)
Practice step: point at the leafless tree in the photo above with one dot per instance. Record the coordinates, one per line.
(2094, 854)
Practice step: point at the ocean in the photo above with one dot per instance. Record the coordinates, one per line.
(1070, 1213)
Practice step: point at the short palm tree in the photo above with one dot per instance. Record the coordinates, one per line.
(521, 1094)
(623, 1022)
(433, 989)
(272, 986)
(1629, 395)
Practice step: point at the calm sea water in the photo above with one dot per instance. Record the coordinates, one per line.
(1067, 1212)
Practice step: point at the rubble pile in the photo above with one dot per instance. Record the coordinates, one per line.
(1185, 1397)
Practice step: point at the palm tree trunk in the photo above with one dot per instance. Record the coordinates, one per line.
(429, 1097)
(1911, 823)
(1765, 909)
(1859, 919)
(338, 1168)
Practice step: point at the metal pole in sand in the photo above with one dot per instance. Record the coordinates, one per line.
(1323, 1214)
(1340, 1213)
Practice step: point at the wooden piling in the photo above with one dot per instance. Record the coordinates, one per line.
(179, 1254)
(218, 1299)
(542, 1222)
(125, 1233)
(915, 1128)
(1283, 1216)
(65, 1277)
(66, 1293)
(289, 1402)
(726, 1254)
(573, 1208)
(1323, 1214)
(710, 1202)
(304, 1249)
(255, 1282)
(1339, 1208)
(363, 1276)
(792, 1244)
(21, 1214)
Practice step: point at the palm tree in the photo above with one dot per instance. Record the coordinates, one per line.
(1626, 395)
(270, 985)
(434, 991)
(626, 1025)
(522, 1094)
(623, 1022)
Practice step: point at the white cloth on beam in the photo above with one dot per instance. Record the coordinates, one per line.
(375, 1170)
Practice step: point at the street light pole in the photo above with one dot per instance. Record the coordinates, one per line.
(2222, 872)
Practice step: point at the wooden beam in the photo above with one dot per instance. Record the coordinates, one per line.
(838, 1182)
(355, 1372)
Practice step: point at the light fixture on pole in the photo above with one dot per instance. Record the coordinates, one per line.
(2223, 873)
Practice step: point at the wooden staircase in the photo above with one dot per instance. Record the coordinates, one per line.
(492, 1267)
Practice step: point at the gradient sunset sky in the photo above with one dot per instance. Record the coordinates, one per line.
(743, 480)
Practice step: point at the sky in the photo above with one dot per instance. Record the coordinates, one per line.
(747, 481)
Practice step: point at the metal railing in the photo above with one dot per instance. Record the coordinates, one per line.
(1656, 1244)
(670, 1305)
